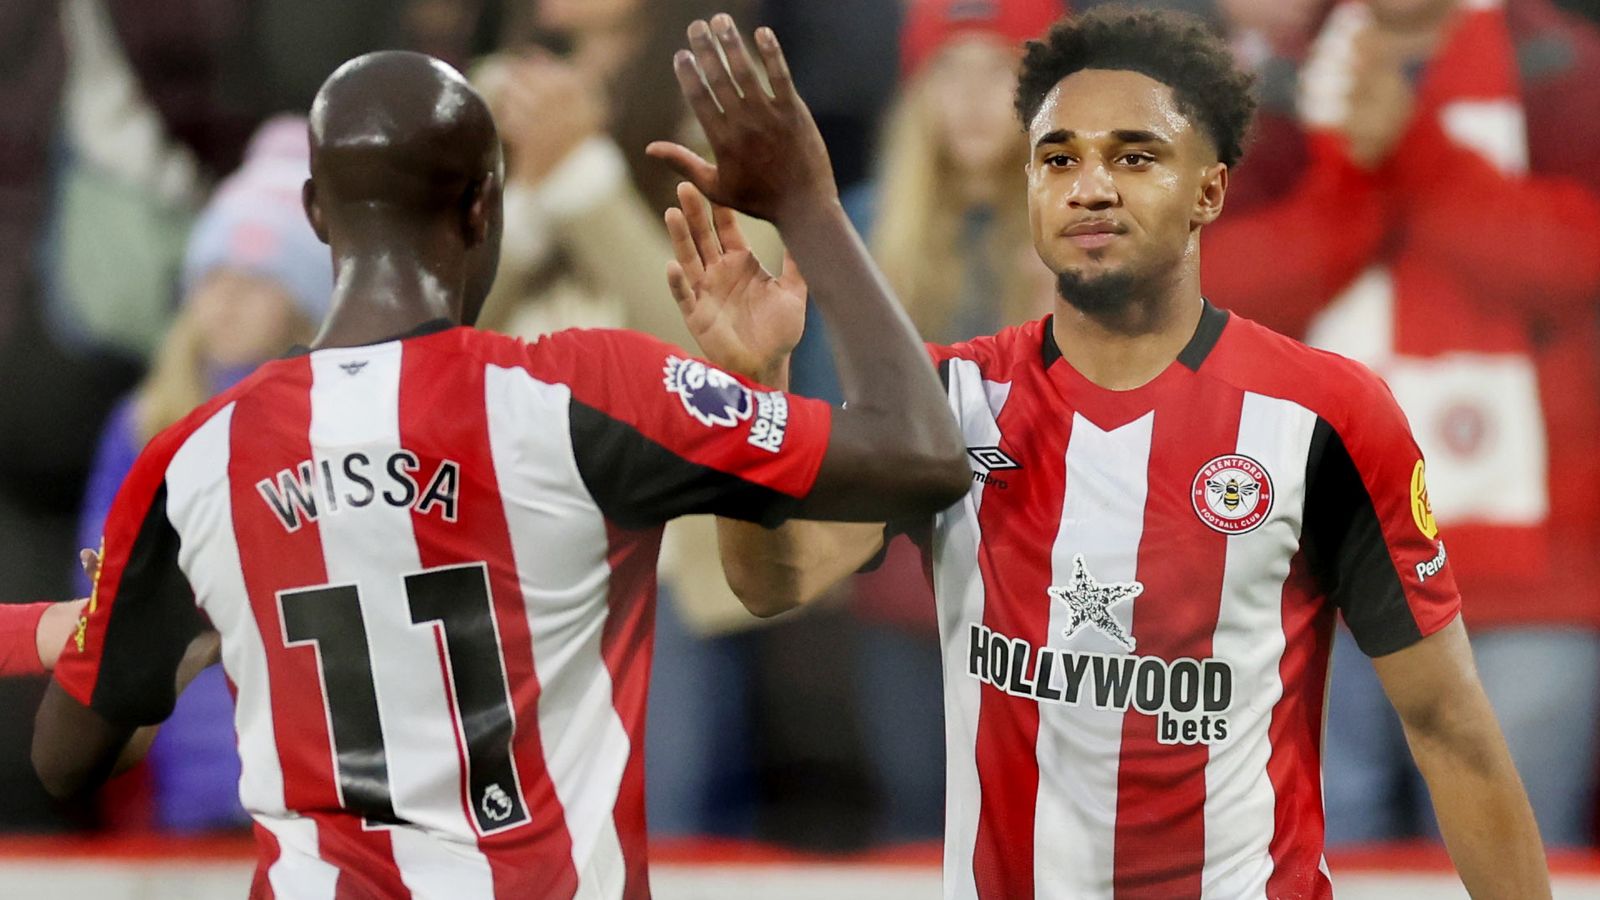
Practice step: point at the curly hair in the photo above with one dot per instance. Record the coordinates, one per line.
(1174, 48)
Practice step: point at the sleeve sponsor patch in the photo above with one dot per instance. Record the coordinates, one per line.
(1421, 509)
(711, 396)
(772, 419)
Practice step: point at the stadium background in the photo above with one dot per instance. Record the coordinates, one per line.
(801, 755)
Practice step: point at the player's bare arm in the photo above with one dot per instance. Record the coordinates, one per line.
(895, 450)
(56, 626)
(75, 749)
(748, 321)
(1483, 811)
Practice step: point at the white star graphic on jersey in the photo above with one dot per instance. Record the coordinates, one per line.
(1090, 603)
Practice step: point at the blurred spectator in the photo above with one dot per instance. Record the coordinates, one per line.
(843, 56)
(255, 281)
(585, 246)
(946, 217)
(1452, 203)
(145, 131)
(294, 44)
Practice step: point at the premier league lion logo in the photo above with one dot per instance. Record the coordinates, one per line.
(710, 395)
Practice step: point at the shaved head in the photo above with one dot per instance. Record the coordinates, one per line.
(401, 129)
(403, 147)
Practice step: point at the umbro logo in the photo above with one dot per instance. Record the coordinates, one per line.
(353, 368)
(989, 461)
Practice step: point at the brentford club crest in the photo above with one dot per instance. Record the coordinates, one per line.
(1232, 494)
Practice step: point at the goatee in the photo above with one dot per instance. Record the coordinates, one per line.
(1100, 294)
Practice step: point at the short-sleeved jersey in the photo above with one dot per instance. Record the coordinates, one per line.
(432, 565)
(1136, 601)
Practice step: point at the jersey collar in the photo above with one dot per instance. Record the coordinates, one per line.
(432, 326)
(1193, 354)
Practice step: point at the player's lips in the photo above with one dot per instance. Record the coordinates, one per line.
(1093, 233)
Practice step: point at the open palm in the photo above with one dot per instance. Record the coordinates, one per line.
(744, 319)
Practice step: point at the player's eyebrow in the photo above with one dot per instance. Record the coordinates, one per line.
(1121, 136)
(1058, 136)
(1138, 136)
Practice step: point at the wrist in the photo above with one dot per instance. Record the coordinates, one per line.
(808, 210)
(775, 375)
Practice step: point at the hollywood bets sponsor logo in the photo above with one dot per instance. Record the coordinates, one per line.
(1232, 494)
(1189, 697)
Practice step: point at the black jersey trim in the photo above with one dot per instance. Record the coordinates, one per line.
(1346, 550)
(1049, 350)
(1212, 320)
(152, 621)
(638, 483)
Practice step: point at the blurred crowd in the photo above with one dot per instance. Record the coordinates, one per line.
(1422, 193)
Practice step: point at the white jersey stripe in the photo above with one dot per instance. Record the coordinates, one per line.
(440, 869)
(200, 507)
(299, 872)
(959, 593)
(1239, 810)
(361, 413)
(1078, 748)
(547, 505)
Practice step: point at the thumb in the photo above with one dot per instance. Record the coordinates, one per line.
(687, 163)
(789, 277)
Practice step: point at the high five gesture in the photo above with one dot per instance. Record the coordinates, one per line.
(771, 161)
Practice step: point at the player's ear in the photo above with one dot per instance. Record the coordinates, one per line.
(1213, 189)
(482, 209)
(308, 200)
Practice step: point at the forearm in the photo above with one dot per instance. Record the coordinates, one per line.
(883, 365)
(773, 570)
(1483, 812)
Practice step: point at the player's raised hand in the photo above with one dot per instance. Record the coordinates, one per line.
(743, 318)
(770, 159)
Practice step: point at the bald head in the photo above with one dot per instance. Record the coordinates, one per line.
(400, 129)
(405, 158)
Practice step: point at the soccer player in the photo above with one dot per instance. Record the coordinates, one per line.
(430, 551)
(1169, 505)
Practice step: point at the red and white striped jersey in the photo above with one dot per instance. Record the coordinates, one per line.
(432, 565)
(1136, 600)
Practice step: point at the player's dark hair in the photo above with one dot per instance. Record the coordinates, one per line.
(1176, 49)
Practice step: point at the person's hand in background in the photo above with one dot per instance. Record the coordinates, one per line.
(545, 110)
(1382, 99)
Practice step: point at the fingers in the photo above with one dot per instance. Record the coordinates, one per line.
(686, 162)
(90, 561)
(727, 225)
(712, 68)
(695, 92)
(739, 63)
(777, 67)
(682, 289)
(698, 217)
(685, 254)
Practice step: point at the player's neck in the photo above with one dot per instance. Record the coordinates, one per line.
(1126, 348)
(381, 291)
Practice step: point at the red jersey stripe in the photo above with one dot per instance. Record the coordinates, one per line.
(533, 859)
(1296, 737)
(630, 632)
(1161, 787)
(1008, 725)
